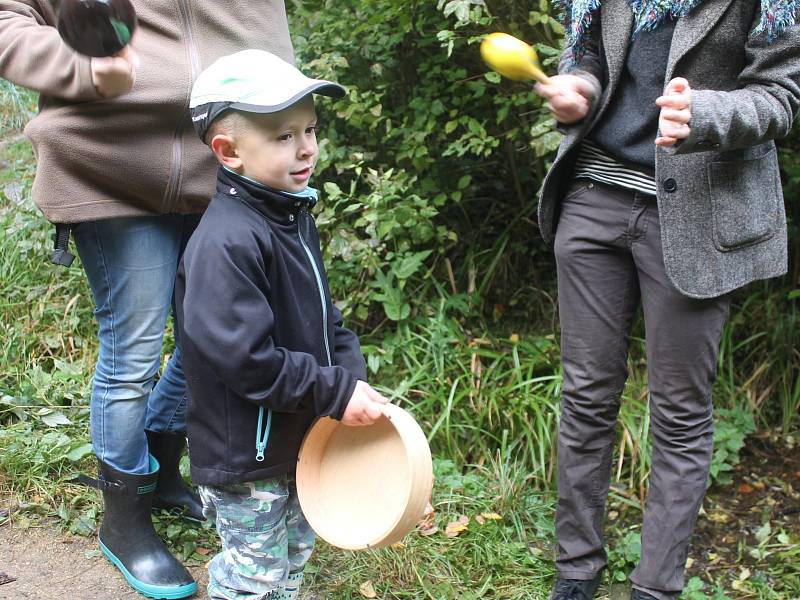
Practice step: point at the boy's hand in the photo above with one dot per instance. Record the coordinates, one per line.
(676, 113)
(115, 75)
(568, 97)
(364, 406)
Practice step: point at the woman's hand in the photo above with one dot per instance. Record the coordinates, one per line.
(568, 97)
(115, 75)
(676, 113)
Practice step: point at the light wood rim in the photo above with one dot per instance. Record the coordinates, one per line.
(417, 491)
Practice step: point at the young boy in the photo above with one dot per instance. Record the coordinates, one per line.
(265, 352)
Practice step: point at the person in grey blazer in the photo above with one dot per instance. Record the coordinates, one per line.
(665, 193)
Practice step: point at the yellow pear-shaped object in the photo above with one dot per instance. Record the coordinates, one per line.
(511, 57)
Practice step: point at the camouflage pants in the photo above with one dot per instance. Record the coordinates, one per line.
(266, 540)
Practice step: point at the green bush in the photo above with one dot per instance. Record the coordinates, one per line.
(431, 162)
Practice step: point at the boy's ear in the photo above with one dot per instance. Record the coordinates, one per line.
(224, 148)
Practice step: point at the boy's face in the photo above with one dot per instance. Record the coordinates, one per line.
(280, 149)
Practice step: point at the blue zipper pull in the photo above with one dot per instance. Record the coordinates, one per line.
(261, 440)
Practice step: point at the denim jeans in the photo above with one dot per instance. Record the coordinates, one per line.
(131, 264)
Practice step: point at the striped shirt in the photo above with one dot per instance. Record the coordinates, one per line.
(595, 163)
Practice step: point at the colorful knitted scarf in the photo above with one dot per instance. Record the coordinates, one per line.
(776, 15)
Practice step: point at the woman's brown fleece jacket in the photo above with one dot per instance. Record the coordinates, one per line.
(136, 154)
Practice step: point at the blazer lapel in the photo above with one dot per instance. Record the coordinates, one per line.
(616, 19)
(691, 29)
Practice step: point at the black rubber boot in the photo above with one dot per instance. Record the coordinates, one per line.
(130, 542)
(172, 492)
(574, 589)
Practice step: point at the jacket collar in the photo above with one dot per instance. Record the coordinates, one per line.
(691, 29)
(617, 26)
(276, 205)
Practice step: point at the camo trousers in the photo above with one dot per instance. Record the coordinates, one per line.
(266, 540)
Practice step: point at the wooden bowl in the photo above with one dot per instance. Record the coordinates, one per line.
(365, 487)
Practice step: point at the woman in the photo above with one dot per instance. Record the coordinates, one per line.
(119, 161)
(665, 193)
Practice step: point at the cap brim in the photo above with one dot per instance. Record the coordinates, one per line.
(211, 110)
(320, 86)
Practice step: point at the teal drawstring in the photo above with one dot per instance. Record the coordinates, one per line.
(261, 441)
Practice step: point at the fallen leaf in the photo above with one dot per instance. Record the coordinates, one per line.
(456, 528)
(491, 516)
(718, 516)
(427, 526)
(480, 520)
(428, 518)
(367, 590)
(746, 488)
(398, 545)
(203, 551)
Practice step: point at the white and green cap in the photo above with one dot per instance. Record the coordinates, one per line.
(251, 81)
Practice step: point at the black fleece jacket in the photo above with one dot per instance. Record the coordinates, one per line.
(258, 329)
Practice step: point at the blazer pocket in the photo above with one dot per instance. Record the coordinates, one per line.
(744, 200)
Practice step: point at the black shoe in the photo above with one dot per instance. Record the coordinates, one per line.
(172, 492)
(640, 595)
(130, 542)
(576, 589)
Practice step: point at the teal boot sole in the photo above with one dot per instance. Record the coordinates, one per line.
(156, 592)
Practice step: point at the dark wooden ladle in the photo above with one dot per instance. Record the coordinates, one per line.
(96, 27)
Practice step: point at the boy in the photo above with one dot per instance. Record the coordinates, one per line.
(265, 352)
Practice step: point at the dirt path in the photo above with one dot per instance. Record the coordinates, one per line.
(49, 566)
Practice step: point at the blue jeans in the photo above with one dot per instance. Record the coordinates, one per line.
(131, 265)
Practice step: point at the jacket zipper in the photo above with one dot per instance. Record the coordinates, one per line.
(320, 289)
(177, 139)
(263, 438)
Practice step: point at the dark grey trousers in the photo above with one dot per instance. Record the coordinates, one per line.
(610, 261)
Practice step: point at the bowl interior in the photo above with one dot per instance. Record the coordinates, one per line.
(355, 483)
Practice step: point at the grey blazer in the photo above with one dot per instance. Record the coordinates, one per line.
(720, 200)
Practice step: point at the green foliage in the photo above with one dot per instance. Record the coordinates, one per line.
(624, 555)
(17, 106)
(431, 161)
(731, 429)
(760, 355)
(695, 590)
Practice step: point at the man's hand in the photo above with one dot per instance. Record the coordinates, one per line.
(115, 75)
(676, 113)
(568, 97)
(364, 407)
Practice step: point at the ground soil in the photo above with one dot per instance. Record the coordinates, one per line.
(766, 488)
(47, 565)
